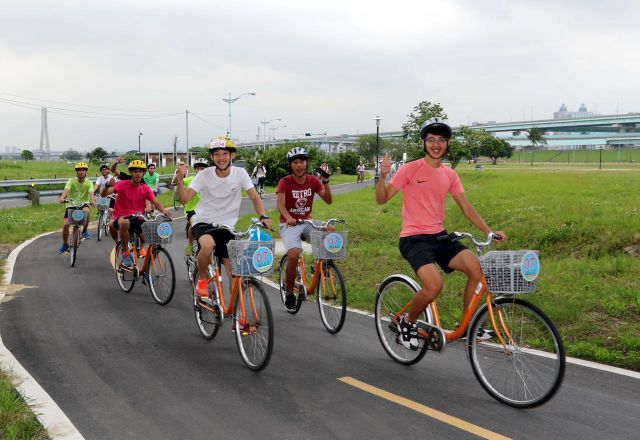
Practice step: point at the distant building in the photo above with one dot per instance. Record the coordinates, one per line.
(582, 112)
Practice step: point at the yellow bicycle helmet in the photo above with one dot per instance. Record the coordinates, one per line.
(82, 166)
(137, 164)
(222, 143)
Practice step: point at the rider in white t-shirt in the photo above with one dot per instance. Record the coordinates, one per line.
(220, 190)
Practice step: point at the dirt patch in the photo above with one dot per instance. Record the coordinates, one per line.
(633, 250)
(5, 250)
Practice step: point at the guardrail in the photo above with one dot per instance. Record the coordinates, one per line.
(29, 193)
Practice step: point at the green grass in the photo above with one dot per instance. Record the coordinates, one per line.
(579, 221)
(17, 420)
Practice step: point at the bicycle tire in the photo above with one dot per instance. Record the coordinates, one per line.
(100, 223)
(332, 301)
(532, 371)
(393, 294)
(253, 325)
(208, 318)
(302, 290)
(126, 279)
(74, 246)
(161, 275)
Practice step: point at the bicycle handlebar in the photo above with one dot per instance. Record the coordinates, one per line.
(239, 234)
(319, 224)
(455, 236)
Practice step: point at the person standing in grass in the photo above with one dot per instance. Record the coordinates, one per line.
(425, 184)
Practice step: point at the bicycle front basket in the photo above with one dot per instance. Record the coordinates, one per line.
(157, 232)
(511, 271)
(103, 203)
(76, 217)
(251, 257)
(329, 245)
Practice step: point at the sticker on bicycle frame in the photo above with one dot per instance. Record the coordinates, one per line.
(530, 266)
(333, 242)
(262, 259)
(164, 230)
(77, 215)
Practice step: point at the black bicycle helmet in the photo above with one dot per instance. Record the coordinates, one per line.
(436, 126)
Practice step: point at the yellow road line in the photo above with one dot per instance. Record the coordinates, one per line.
(434, 413)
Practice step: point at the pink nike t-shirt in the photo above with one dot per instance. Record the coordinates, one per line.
(424, 190)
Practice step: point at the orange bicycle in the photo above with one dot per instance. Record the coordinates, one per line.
(327, 246)
(157, 270)
(249, 305)
(515, 350)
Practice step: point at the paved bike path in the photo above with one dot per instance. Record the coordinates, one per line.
(121, 366)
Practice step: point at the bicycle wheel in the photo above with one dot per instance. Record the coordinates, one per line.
(299, 285)
(332, 298)
(253, 324)
(161, 275)
(74, 245)
(208, 315)
(126, 278)
(101, 219)
(529, 370)
(394, 293)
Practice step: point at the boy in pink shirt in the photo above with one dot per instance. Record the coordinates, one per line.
(425, 184)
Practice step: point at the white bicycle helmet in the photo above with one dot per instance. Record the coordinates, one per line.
(200, 163)
(297, 153)
(436, 126)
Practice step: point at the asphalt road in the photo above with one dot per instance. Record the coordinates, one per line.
(122, 367)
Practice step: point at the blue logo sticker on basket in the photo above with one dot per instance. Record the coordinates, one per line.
(77, 215)
(530, 266)
(333, 243)
(103, 200)
(164, 230)
(262, 259)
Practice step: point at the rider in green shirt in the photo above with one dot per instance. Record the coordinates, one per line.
(190, 206)
(152, 178)
(78, 194)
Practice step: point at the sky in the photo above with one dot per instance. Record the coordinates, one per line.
(109, 70)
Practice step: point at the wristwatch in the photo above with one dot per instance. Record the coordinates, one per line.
(264, 217)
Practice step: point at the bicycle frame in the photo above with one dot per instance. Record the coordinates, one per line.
(318, 273)
(236, 292)
(460, 331)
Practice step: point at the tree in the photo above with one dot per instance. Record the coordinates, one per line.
(26, 155)
(494, 148)
(366, 146)
(349, 161)
(97, 155)
(71, 155)
(423, 111)
(535, 136)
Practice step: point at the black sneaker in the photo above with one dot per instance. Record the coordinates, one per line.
(290, 302)
(408, 334)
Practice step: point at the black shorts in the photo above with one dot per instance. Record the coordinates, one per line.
(112, 202)
(135, 224)
(189, 215)
(423, 249)
(261, 180)
(220, 236)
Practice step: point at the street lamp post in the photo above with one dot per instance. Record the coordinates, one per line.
(273, 133)
(377, 119)
(139, 134)
(264, 131)
(231, 100)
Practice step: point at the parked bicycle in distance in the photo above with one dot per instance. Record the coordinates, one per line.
(155, 268)
(515, 350)
(327, 281)
(248, 305)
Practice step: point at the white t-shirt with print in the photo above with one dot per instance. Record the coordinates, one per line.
(100, 181)
(220, 197)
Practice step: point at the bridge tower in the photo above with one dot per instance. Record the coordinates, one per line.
(44, 132)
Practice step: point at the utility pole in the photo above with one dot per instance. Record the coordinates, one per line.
(186, 114)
